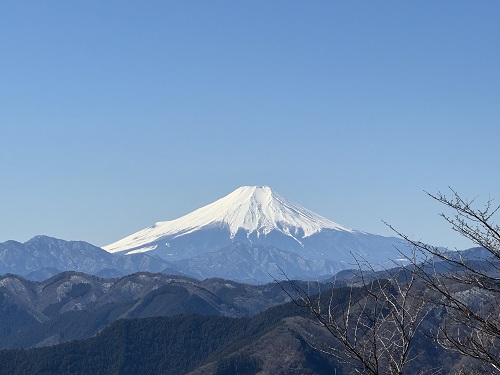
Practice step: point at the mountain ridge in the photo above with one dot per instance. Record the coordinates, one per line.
(43, 256)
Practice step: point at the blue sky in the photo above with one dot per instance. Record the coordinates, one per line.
(118, 114)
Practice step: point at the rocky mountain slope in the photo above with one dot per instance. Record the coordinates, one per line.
(74, 305)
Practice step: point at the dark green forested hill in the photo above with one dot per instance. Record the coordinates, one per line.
(164, 345)
(160, 345)
(75, 306)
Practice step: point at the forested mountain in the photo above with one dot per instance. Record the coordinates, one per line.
(151, 323)
(172, 345)
(280, 340)
(154, 323)
(74, 305)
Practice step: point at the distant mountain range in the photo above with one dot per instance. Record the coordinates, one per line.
(252, 235)
(42, 257)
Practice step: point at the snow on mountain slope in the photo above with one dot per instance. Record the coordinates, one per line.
(255, 210)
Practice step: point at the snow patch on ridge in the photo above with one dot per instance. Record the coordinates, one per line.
(142, 249)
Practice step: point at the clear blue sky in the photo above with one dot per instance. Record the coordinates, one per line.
(117, 114)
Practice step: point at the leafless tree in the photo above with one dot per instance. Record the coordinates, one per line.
(467, 289)
(373, 320)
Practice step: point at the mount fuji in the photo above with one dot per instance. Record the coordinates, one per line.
(254, 232)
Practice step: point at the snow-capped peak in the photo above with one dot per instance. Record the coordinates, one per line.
(258, 208)
(251, 208)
